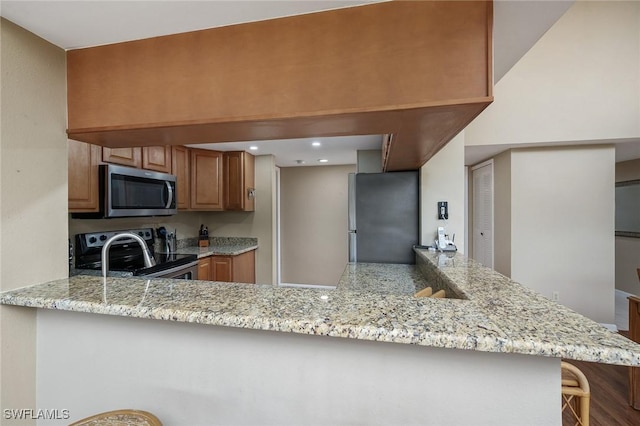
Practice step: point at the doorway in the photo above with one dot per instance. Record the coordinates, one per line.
(482, 226)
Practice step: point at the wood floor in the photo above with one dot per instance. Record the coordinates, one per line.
(609, 395)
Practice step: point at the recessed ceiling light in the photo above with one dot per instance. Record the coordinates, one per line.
(253, 148)
(323, 160)
(300, 161)
(315, 143)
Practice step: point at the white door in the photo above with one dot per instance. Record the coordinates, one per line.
(482, 225)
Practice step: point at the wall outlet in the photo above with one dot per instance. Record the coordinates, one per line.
(555, 296)
(443, 210)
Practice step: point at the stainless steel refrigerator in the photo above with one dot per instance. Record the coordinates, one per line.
(383, 217)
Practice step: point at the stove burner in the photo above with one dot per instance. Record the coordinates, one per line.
(125, 255)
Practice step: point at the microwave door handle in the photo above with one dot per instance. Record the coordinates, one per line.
(170, 197)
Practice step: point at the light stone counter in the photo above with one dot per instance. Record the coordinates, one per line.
(218, 246)
(494, 314)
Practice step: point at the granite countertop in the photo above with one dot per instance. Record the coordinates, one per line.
(491, 313)
(218, 246)
(382, 278)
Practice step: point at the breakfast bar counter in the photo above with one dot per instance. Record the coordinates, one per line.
(364, 352)
(484, 310)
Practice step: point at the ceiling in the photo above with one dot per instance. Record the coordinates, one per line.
(626, 149)
(518, 24)
(305, 152)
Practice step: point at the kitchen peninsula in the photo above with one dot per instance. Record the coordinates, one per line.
(268, 358)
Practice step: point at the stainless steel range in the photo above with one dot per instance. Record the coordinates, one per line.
(126, 255)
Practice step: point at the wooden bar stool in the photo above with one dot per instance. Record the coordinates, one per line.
(428, 292)
(575, 393)
(126, 417)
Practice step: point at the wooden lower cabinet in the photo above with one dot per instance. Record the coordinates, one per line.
(239, 269)
(204, 268)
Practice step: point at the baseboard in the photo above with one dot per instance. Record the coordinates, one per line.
(610, 327)
(326, 287)
(624, 294)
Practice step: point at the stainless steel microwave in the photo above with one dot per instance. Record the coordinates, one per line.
(130, 192)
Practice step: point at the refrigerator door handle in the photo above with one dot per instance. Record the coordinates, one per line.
(352, 202)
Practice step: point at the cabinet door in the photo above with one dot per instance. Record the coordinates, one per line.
(206, 180)
(222, 268)
(83, 164)
(244, 268)
(180, 168)
(239, 181)
(204, 269)
(157, 158)
(131, 157)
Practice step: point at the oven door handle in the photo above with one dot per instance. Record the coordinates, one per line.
(171, 271)
(170, 194)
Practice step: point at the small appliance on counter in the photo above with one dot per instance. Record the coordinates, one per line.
(168, 239)
(203, 236)
(443, 243)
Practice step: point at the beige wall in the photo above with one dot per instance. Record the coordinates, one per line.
(369, 161)
(627, 249)
(580, 82)
(442, 178)
(187, 224)
(261, 223)
(33, 196)
(314, 239)
(562, 225)
(502, 213)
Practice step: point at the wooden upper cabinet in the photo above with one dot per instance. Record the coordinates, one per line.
(421, 70)
(206, 180)
(83, 162)
(180, 168)
(131, 157)
(157, 158)
(239, 181)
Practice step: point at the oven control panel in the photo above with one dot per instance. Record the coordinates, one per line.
(97, 239)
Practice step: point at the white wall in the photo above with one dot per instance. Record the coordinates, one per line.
(562, 225)
(442, 178)
(314, 223)
(199, 375)
(580, 82)
(33, 196)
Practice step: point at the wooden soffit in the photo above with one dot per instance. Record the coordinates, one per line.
(421, 70)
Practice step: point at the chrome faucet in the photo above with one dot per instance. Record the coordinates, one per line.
(146, 254)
